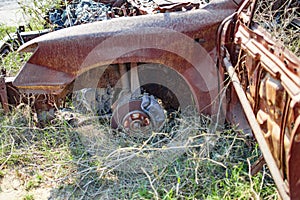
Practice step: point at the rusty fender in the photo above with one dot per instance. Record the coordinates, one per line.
(171, 39)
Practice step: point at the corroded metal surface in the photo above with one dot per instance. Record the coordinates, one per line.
(139, 116)
(256, 129)
(269, 78)
(266, 76)
(60, 57)
(3, 94)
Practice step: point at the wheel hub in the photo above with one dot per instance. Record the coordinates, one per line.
(139, 116)
(136, 121)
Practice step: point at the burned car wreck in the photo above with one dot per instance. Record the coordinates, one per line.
(137, 69)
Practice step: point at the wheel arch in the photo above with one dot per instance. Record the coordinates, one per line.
(203, 93)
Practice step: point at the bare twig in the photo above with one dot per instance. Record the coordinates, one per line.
(151, 183)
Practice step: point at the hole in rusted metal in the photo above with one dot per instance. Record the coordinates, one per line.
(297, 138)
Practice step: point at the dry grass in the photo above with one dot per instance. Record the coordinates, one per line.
(279, 18)
(87, 160)
(193, 164)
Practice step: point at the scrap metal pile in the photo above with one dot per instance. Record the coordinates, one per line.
(172, 68)
(87, 11)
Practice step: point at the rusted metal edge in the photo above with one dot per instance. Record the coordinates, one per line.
(270, 60)
(256, 130)
(257, 166)
(3, 94)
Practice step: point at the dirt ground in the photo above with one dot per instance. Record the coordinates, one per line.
(12, 188)
(10, 13)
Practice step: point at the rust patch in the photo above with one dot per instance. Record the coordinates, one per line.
(3, 94)
(270, 80)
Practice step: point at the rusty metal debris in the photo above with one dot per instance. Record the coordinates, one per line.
(62, 66)
(75, 13)
(87, 11)
(3, 94)
(265, 76)
(113, 66)
(93, 100)
(257, 131)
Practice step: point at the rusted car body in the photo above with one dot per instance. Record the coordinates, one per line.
(265, 78)
(62, 56)
(184, 42)
(197, 47)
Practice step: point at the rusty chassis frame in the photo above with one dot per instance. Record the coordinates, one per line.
(265, 78)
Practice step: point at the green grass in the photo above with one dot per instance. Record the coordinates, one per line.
(28, 197)
(4, 30)
(213, 166)
(36, 11)
(13, 62)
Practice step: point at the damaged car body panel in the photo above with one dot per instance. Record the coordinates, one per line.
(62, 56)
(265, 78)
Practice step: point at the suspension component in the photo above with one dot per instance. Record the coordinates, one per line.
(139, 116)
